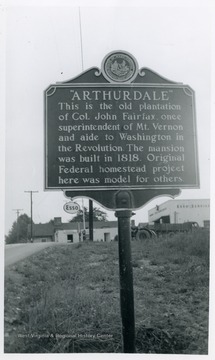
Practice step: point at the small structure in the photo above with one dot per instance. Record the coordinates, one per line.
(73, 232)
(181, 211)
(42, 232)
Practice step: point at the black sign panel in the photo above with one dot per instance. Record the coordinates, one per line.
(110, 136)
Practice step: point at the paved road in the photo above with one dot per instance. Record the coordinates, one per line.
(17, 252)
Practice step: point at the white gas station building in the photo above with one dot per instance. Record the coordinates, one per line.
(180, 211)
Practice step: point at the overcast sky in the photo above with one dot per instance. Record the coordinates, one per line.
(43, 46)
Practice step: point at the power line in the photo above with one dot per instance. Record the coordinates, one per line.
(31, 200)
(17, 212)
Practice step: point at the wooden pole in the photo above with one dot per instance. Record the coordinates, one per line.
(31, 192)
(91, 220)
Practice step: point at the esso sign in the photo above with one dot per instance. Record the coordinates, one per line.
(71, 207)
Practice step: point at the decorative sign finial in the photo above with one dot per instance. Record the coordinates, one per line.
(119, 66)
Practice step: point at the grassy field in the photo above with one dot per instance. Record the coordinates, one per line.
(66, 298)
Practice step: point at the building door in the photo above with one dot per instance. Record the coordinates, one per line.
(70, 238)
(106, 236)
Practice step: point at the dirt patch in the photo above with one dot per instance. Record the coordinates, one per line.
(98, 257)
(154, 340)
(93, 264)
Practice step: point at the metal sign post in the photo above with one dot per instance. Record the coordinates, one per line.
(126, 272)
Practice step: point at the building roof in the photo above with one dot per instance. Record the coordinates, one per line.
(103, 224)
(40, 230)
(176, 201)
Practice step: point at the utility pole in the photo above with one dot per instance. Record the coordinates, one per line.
(31, 192)
(90, 201)
(17, 217)
(84, 223)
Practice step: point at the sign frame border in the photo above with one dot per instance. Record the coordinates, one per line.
(71, 84)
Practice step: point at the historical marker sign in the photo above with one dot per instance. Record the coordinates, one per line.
(121, 136)
(130, 135)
